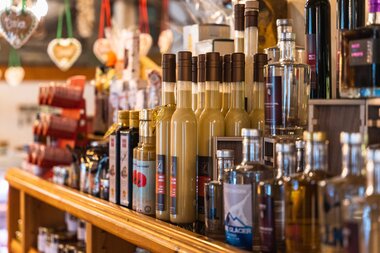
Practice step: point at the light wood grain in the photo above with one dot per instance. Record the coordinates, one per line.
(13, 215)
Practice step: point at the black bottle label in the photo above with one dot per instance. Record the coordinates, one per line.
(173, 186)
(204, 173)
(311, 59)
(160, 182)
(273, 100)
(364, 52)
(267, 221)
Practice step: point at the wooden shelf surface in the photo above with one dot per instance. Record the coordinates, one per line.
(138, 229)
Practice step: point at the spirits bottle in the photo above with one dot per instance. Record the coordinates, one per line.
(221, 81)
(214, 218)
(241, 206)
(239, 28)
(237, 118)
(256, 116)
(300, 155)
(360, 68)
(163, 120)
(211, 124)
(144, 170)
(251, 45)
(183, 149)
(129, 139)
(226, 90)
(286, 99)
(201, 93)
(194, 81)
(333, 192)
(301, 198)
(272, 200)
(318, 47)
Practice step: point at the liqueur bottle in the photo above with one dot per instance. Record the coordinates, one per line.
(183, 150)
(163, 120)
(333, 192)
(201, 93)
(237, 118)
(144, 169)
(241, 205)
(226, 89)
(301, 198)
(239, 28)
(211, 124)
(194, 81)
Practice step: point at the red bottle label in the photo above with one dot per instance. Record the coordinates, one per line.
(311, 59)
(204, 173)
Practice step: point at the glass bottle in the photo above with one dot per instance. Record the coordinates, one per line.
(221, 81)
(201, 93)
(226, 89)
(332, 192)
(318, 47)
(239, 28)
(286, 100)
(144, 169)
(214, 196)
(194, 80)
(251, 45)
(272, 200)
(163, 121)
(237, 118)
(211, 124)
(300, 155)
(241, 206)
(256, 116)
(301, 197)
(183, 149)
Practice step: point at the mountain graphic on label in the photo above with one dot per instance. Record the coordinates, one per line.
(234, 221)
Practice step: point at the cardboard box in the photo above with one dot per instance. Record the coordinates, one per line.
(223, 46)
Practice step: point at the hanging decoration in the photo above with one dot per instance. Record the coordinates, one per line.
(17, 25)
(146, 40)
(15, 73)
(102, 46)
(64, 52)
(85, 17)
(166, 37)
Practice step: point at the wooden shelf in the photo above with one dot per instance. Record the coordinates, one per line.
(122, 223)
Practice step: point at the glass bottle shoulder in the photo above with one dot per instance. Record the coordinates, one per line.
(287, 64)
(211, 114)
(184, 114)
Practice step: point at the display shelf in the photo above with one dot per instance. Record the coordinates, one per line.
(116, 227)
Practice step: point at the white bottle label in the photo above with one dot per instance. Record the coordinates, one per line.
(112, 168)
(144, 185)
(124, 168)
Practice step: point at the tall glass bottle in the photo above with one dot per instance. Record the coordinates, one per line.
(201, 93)
(226, 90)
(272, 200)
(144, 170)
(183, 148)
(251, 45)
(239, 28)
(241, 206)
(163, 137)
(194, 81)
(318, 47)
(333, 192)
(221, 81)
(257, 116)
(301, 198)
(237, 118)
(211, 124)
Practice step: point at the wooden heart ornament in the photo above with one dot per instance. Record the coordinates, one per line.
(17, 26)
(165, 41)
(14, 75)
(64, 52)
(101, 48)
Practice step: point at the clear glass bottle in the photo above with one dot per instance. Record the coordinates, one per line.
(226, 89)
(300, 155)
(144, 169)
(194, 81)
(211, 124)
(201, 93)
(301, 198)
(241, 206)
(332, 192)
(183, 149)
(163, 121)
(239, 28)
(214, 218)
(286, 100)
(257, 116)
(237, 118)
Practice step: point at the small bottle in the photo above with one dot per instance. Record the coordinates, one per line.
(201, 93)
(241, 206)
(144, 170)
(239, 28)
(163, 137)
(214, 217)
(237, 118)
(226, 88)
(194, 81)
(300, 155)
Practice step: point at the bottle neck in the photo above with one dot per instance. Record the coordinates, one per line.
(226, 99)
(223, 164)
(212, 95)
(168, 93)
(373, 178)
(251, 149)
(201, 95)
(287, 50)
(286, 164)
(237, 95)
(316, 156)
(184, 94)
(283, 29)
(352, 160)
(374, 12)
(300, 160)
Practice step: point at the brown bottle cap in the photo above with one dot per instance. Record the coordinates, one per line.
(221, 70)
(251, 13)
(168, 68)
(134, 118)
(123, 115)
(227, 72)
(238, 67)
(184, 66)
(260, 60)
(239, 17)
(194, 69)
(201, 68)
(212, 66)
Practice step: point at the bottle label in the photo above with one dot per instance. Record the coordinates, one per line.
(112, 168)
(279, 221)
(238, 214)
(173, 186)
(362, 52)
(267, 222)
(214, 209)
(273, 100)
(144, 186)
(124, 170)
(134, 192)
(351, 237)
(160, 182)
(311, 58)
(204, 173)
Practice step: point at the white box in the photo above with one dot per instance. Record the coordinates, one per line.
(223, 46)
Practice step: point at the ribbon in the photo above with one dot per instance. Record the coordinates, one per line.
(69, 23)
(105, 14)
(144, 20)
(160, 111)
(165, 15)
(14, 58)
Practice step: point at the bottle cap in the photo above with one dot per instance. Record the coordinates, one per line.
(238, 67)
(123, 115)
(134, 115)
(252, 4)
(194, 69)
(145, 115)
(249, 132)
(260, 60)
(351, 138)
(314, 136)
(227, 72)
(184, 66)
(284, 22)
(225, 153)
(168, 68)
(285, 147)
(373, 153)
(212, 66)
(251, 13)
(239, 17)
(287, 37)
(202, 68)
(221, 70)
(300, 144)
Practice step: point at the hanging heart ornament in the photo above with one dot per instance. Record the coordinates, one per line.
(146, 43)
(14, 75)
(165, 41)
(64, 52)
(16, 26)
(102, 48)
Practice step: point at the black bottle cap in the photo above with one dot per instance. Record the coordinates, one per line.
(238, 67)
(260, 60)
(168, 68)
(239, 17)
(221, 77)
(202, 68)
(212, 66)
(227, 73)
(184, 66)
(251, 18)
(194, 69)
